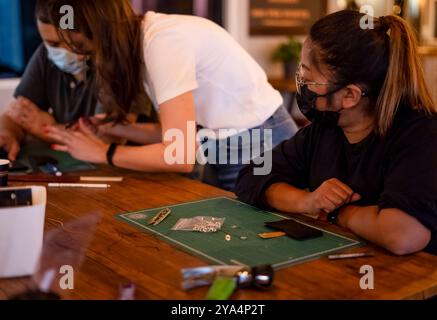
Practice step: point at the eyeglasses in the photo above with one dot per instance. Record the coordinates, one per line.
(300, 81)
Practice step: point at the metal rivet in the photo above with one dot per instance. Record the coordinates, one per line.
(228, 237)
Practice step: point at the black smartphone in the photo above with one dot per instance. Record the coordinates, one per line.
(15, 166)
(18, 166)
(295, 230)
(15, 198)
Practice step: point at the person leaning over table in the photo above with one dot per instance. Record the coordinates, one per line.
(369, 158)
(192, 69)
(57, 88)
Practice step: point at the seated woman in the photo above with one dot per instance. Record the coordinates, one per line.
(368, 161)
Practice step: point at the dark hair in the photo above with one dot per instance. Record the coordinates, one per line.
(115, 32)
(43, 11)
(384, 60)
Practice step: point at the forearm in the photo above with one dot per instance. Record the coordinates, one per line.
(363, 221)
(286, 198)
(144, 133)
(392, 229)
(148, 158)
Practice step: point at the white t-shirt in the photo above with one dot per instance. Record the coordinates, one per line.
(187, 53)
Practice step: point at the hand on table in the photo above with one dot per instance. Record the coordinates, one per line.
(105, 131)
(32, 119)
(330, 196)
(81, 143)
(10, 144)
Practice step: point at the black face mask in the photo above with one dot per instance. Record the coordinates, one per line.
(306, 100)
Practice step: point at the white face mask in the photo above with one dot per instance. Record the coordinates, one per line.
(65, 60)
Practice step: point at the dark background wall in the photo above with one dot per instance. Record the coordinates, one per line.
(18, 35)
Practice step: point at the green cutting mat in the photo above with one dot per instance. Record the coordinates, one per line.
(243, 223)
(66, 163)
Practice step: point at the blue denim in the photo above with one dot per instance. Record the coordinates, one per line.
(225, 175)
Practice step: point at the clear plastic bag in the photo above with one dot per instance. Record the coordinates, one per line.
(200, 224)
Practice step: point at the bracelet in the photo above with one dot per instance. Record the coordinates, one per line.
(110, 154)
(333, 216)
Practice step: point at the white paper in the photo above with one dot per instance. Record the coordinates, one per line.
(21, 236)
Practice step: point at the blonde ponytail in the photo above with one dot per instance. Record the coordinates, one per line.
(404, 82)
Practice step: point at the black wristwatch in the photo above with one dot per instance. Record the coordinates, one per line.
(333, 216)
(110, 154)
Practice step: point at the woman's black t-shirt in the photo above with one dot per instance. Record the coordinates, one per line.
(398, 171)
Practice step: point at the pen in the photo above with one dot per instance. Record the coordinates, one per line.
(66, 178)
(101, 179)
(79, 185)
(351, 255)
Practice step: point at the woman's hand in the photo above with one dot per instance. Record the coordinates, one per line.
(331, 195)
(32, 119)
(10, 144)
(105, 131)
(82, 143)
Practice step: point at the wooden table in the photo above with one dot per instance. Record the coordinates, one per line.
(119, 253)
